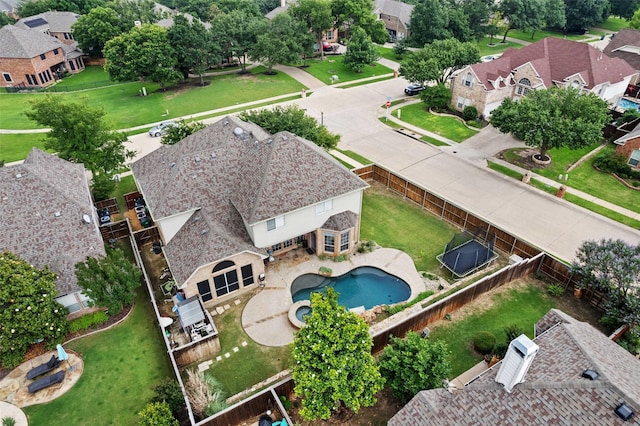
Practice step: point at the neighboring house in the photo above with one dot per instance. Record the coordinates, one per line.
(625, 45)
(9, 8)
(47, 218)
(55, 24)
(548, 387)
(548, 62)
(330, 35)
(230, 196)
(629, 146)
(396, 16)
(34, 59)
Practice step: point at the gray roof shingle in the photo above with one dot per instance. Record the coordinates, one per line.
(553, 391)
(625, 45)
(42, 204)
(395, 8)
(58, 22)
(19, 43)
(232, 173)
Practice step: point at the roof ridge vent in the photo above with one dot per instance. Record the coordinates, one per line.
(198, 159)
(18, 176)
(590, 374)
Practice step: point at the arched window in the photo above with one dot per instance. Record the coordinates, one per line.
(468, 80)
(223, 265)
(523, 86)
(575, 84)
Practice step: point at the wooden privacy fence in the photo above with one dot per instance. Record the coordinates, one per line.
(115, 231)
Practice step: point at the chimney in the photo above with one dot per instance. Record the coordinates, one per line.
(516, 362)
(283, 3)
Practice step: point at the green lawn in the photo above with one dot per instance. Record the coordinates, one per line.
(449, 127)
(125, 186)
(540, 34)
(521, 306)
(392, 222)
(333, 65)
(359, 158)
(125, 108)
(91, 77)
(14, 147)
(487, 47)
(387, 53)
(614, 24)
(121, 366)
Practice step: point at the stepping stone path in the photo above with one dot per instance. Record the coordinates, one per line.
(219, 310)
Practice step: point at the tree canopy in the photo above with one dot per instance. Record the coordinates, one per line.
(413, 364)
(109, 281)
(553, 118)
(359, 13)
(438, 61)
(634, 22)
(525, 15)
(292, 119)
(80, 134)
(28, 310)
(360, 51)
(281, 41)
(613, 267)
(429, 21)
(181, 130)
(35, 7)
(96, 28)
(332, 363)
(316, 16)
(624, 8)
(142, 53)
(194, 46)
(582, 14)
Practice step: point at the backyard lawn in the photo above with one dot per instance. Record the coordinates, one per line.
(121, 367)
(16, 146)
(540, 34)
(447, 126)
(333, 65)
(125, 108)
(495, 46)
(614, 24)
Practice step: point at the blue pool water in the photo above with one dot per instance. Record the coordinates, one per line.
(363, 286)
(302, 312)
(627, 104)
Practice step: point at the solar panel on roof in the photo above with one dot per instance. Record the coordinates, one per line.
(36, 22)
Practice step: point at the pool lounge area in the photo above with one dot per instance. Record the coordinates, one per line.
(266, 316)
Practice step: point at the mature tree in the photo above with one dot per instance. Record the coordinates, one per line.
(613, 267)
(360, 51)
(181, 130)
(169, 391)
(438, 61)
(317, 17)
(458, 25)
(554, 16)
(198, 8)
(525, 15)
(96, 28)
(635, 20)
(553, 118)
(195, 47)
(413, 364)
(429, 21)
(479, 14)
(157, 414)
(28, 310)
(109, 281)
(437, 96)
(292, 119)
(267, 6)
(332, 362)
(236, 32)
(281, 42)
(247, 7)
(5, 20)
(582, 14)
(624, 8)
(131, 11)
(143, 53)
(359, 13)
(80, 134)
(400, 48)
(34, 7)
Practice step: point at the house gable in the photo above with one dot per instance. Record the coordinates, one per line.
(626, 46)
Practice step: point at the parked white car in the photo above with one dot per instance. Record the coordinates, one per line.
(157, 131)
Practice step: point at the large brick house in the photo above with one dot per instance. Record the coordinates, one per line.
(34, 59)
(548, 62)
(570, 374)
(230, 196)
(396, 16)
(629, 146)
(47, 218)
(55, 24)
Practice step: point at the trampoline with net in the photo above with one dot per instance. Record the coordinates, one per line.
(467, 252)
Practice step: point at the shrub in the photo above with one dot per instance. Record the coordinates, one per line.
(325, 271)
(169, 391)
(8, 421)
(402, 306)
(500, 350)
(286, 403)
(88, 321)
(157, 414)
(470, 113)
(366, 246)
(512, 331)
(341, 258)
(436, 96)
(555, 290)
(205, 393)
(484, 342)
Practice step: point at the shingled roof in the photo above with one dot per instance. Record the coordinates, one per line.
(554, 391)
(230, 174)
(42, 205)
(555, 60)
(25, 44)
(58, 22)
(625, 45)
(395, 8)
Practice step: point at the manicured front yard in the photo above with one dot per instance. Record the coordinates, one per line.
(495, 46)
(126, 108)
(121, 367)
(614, 24)
(16, 146)
(447, 126)
(540, 34)
(332, 65)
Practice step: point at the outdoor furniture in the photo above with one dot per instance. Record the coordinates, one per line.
(43, 368)
(46, 381)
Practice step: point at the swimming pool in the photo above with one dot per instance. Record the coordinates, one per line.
(628, 104)
(363, 286)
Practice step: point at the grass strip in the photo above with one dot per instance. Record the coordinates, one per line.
(433, 141)
(355, 156)
(363, 82)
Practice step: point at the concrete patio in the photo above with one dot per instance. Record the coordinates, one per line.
(265, 317)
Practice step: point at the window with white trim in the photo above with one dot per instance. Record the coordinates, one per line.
(324, 206)
(344, 241)
(462, 102)
(7, 77)
(524, 85)
(276, 222)
(329, 242)
(467, 80)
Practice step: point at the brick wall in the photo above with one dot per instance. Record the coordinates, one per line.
(629, 146)
(17, 68)
(392, 23)
(61, 36)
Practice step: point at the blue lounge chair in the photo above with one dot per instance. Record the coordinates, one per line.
(46, 381)
(43, 368)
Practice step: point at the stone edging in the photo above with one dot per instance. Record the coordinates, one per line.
(622, 181)
(103, 329)
(454, 116)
